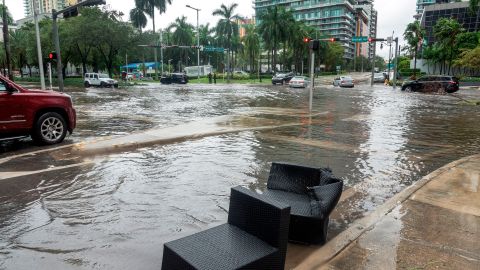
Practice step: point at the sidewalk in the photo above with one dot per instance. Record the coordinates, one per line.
(434, 224)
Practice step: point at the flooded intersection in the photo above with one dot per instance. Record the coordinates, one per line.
(114, 209)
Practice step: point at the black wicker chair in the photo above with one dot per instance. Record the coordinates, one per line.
(255, 237)
(312, 194)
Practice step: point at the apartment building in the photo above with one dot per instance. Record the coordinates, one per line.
(44, 6)
(333, 18)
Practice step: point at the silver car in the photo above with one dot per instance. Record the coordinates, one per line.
(344, 81)
(379, 77)
(299, 81)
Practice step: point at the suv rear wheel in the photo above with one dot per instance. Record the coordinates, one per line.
(87, 84)
(49, 129)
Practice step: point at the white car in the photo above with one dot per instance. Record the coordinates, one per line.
(299, 81)
(344, 81)
(99, 79)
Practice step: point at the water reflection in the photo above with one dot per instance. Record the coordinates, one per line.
(118, 212)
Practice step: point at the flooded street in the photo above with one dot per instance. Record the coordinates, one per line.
(115, 210)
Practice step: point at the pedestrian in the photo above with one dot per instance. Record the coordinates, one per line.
(210, 78)
(215, 78)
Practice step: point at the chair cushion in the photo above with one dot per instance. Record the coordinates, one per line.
(300, 204)
(222, 247)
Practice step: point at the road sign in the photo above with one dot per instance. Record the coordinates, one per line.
(359, 39)
(213, 49)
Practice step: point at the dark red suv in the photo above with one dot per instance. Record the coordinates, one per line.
(46, 116)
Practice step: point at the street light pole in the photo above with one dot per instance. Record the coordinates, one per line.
(57, 50)
(198, 40)
(39, 45)
(161, 49)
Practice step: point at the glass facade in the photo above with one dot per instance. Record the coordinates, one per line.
(335, 18)
(458, 11)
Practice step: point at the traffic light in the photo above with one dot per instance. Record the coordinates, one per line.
(70, 13)
(52, 56)
(306, 39)
(334, 39)
(314, 45)
(370, 40)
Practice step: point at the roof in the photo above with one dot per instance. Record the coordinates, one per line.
(138, 65)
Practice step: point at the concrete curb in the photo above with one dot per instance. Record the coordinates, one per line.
(328, 252)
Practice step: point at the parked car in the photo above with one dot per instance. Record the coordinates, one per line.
(180, 78)
(282, 78)
(379, 77)
(46, 116)
(299, 81)
(344, 81)
(99, 79)
(448, 84)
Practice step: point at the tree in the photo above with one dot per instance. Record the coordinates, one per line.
(251, 42)
(470, 59)
(270, 29)
(182, 35)
(226, 26)
(413, 35)
(446, 32)
(149, 6)
(6, 21)
(138, 18)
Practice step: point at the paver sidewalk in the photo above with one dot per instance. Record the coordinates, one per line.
(435, 224)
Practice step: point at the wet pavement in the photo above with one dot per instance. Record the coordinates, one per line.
(436, 226)
(114, 207)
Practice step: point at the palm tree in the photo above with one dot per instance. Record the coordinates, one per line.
(251, 42)
(271, 30)
(413, 35)
(149, 6)
(138, 18)
(446, 31)
(226, 26)
(182, 35)
(206, 38)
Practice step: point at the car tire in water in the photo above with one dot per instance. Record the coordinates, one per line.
(86, 84)
(50, 128)
(408, 89)
(103, 85)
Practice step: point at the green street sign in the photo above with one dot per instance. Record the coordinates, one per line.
(359, 39)
(213, 49)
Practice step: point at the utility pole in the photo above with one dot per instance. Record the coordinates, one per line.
(39, 45)
(198, 41)
(161, 49)
(395, 66)
(312, 71)
(57, 50)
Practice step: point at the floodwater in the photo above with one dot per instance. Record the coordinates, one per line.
(117, 210)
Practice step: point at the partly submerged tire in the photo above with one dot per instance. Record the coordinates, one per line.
(86, 84)
(50, 128)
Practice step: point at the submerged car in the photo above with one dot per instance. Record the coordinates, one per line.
(282, 78)
(299, 82)
(344, 81)
(179, 78)
(379, 77)
(428, 84)
(46, 116)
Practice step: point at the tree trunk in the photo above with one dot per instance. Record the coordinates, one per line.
(415, 65)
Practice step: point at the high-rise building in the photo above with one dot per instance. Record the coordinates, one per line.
(455, 10)
(421, 4)
(44, 6)
(333, 18)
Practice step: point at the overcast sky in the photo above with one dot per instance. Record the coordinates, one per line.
(394, 15)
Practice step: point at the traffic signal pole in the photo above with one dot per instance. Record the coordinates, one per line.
(395, 65)
(39, 45)
(56, 39)
(312, 78)
(57, 49)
